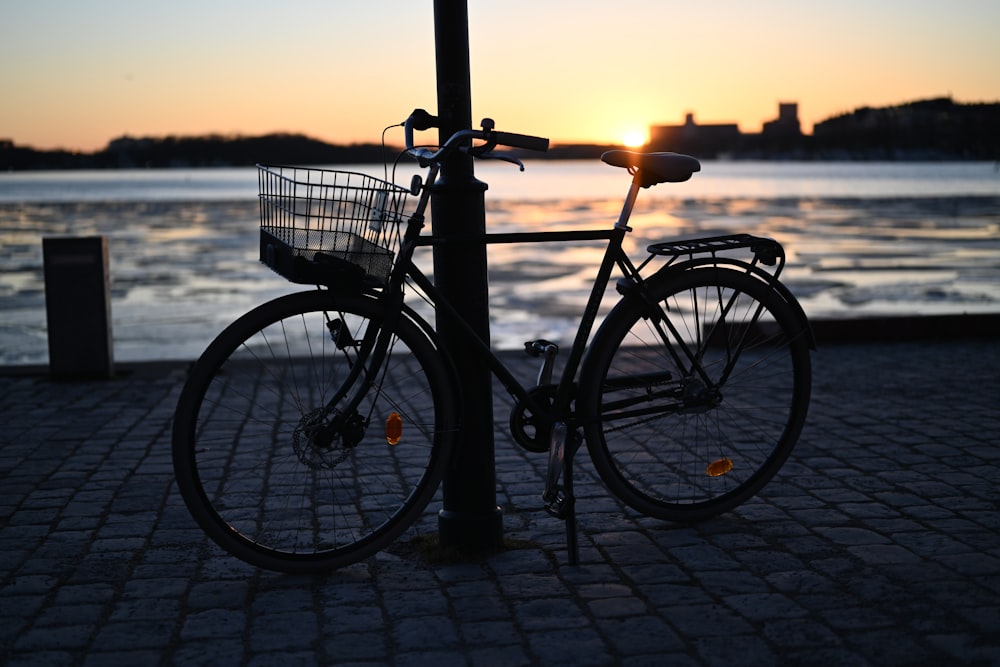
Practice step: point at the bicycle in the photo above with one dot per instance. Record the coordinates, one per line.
(316, 427)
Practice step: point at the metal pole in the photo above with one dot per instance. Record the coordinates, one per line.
(470, 519)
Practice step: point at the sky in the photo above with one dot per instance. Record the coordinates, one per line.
(76, 74)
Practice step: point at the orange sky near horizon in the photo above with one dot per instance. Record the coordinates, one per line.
(76, 75)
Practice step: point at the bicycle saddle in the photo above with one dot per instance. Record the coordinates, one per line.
(652, 168)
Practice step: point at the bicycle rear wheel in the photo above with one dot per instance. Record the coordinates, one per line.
(694, 397)
(250, 463)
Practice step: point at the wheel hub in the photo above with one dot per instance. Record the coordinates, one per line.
(698, 397)
(320, 446)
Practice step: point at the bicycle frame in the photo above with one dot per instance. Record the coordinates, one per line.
(613, 256)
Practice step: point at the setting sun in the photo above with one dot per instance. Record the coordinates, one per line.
(634, 138)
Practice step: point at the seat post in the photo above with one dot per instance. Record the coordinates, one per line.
(633, 194)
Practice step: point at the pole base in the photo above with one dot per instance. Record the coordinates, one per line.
(471, 532)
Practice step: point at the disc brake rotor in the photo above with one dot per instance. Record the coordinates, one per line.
(322, 456)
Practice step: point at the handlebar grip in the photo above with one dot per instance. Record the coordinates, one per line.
(525, 141)
(421, 120)
(418, 120)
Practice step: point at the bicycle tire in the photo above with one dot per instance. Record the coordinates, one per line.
(246, 466)
(670, 442)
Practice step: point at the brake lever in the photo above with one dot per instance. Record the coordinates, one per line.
(504, 157)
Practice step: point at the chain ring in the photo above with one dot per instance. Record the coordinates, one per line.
(537, 440)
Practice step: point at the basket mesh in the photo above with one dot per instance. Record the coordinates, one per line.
(312, 216)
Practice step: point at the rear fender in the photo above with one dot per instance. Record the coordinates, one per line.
(629, 289)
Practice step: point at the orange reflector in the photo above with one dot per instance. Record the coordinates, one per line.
(394, 429)
(719, 468)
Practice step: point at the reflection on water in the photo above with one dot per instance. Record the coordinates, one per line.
(846, 257)
(182, 270)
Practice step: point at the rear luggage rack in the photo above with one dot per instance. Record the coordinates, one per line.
(767, 251)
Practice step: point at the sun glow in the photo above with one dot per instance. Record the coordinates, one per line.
(634, 138)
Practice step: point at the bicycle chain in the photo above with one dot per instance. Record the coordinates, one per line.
(633, 423)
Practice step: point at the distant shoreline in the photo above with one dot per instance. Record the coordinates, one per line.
(163, 154)
(925, 130)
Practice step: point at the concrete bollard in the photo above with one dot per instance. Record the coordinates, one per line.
(78, 307)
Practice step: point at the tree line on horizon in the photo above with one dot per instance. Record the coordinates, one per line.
(931, 129)
(928, 129)
(937, 128)
(195, 151)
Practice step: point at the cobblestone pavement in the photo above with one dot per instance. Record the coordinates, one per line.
(877, 544)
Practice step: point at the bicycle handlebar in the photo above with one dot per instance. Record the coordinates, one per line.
(526, 141)
(421, 120)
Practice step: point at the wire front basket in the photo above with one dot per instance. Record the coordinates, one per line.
(322, 226)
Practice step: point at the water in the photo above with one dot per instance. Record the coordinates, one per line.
(545, 181)
(862, 239)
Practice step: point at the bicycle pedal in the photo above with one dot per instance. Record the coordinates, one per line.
(546, 349)
(536, 348)
(561, 507)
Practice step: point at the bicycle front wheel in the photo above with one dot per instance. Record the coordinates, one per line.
(694, 396)
(253, 462)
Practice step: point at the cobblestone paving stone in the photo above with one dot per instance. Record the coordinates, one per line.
(877, 544)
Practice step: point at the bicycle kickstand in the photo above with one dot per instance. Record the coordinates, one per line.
(572, 546)
(559, 499)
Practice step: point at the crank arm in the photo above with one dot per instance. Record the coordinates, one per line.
(557, 453)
